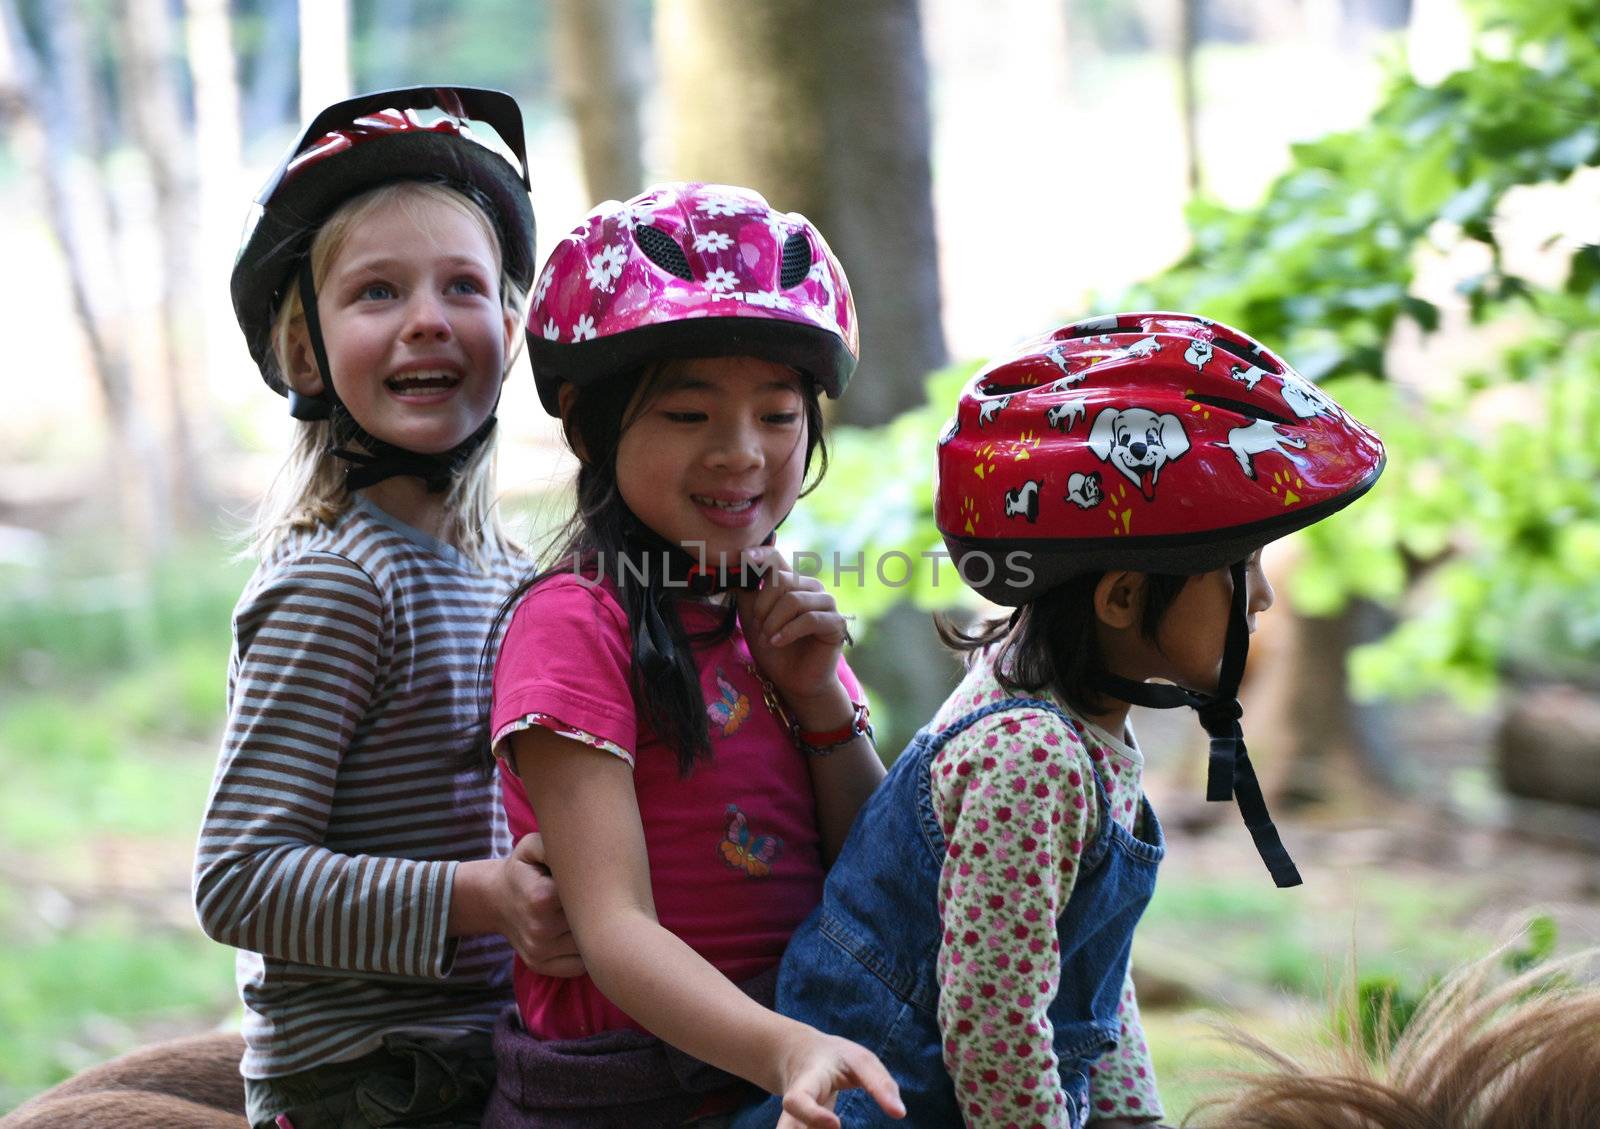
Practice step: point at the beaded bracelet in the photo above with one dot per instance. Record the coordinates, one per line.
(821, 744)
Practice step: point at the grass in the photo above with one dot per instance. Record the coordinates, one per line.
(113, 698)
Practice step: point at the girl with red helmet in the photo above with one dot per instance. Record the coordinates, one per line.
(671, 706)
(1113, 482)
(351, 849)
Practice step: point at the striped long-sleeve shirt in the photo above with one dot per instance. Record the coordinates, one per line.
(351, 781)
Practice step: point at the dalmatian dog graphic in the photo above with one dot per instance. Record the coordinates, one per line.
(1064, 417)
(951, 430)
(1306, 399)
(1138, 442)
(1024, 500)
(1144, 347)
(1058, 354)
(991, 408)
(1257, 439)
(1198, 353)
(1249, 377)
(1083, 490)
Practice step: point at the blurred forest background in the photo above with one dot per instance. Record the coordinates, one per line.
(1399, 195)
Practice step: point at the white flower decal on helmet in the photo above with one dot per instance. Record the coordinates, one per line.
(721, 280)
(713, 241)
(606, 266)
(584, 330)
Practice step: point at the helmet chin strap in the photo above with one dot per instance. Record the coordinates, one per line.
(375, 460)
(1229, 774)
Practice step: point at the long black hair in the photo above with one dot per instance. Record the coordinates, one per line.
(1050, 642)
(602, 532)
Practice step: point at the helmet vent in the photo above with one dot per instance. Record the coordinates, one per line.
(663, 250)
(1248, 355)
(796, 260)
(1241, 407)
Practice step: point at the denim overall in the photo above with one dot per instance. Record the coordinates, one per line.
(863, 964)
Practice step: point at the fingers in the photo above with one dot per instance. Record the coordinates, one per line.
(562, 966)
(530, 849)
(801, 1109)
(799, 615)
(867, 1072)
(785, 598)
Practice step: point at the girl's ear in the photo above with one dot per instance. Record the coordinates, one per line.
(303, 375)
(1119, 599)
(566, 398)
(513, 325)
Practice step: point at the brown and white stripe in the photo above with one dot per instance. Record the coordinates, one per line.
(352, 779)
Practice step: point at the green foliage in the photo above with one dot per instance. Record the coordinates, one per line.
(68, 1000)
(1489, 497)
(833, 524)
(1486, 525)
(1385, 1002)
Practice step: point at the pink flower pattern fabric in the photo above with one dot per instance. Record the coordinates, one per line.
(1015, 799)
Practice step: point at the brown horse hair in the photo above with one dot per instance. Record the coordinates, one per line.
(1482, 1051)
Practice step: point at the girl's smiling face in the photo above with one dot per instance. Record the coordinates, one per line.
(413, 323)
(715, 453)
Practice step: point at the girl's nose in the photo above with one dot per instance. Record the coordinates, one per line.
(425, 318)
(736, 446)
(1261, 594)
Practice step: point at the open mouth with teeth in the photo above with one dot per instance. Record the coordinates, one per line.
(720, 504)
(421, 383)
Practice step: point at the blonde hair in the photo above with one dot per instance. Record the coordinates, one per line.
(1523, 1053)
(309, 491)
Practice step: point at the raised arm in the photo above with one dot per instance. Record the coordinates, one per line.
(796, 636)
(589, 816)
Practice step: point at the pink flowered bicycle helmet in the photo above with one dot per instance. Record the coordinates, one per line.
(685, 270)
(1152, 442)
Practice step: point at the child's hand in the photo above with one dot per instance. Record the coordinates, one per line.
(821, 1067)
(529, 911)
(794, 631)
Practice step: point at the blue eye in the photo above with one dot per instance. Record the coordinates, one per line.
(377, 291)
(467, 286)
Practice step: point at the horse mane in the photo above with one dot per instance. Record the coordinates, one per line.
(1482, 1051)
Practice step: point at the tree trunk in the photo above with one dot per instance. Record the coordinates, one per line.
(219, 158)
(389, 61)
(1326, 734)
(270, 97)
(324, 54)
(42, 134)
(149, 82)
(824, 109)
(1188, 97)
(601, 77)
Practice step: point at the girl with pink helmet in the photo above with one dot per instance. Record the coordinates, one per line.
(671, 706)
(1113, 483)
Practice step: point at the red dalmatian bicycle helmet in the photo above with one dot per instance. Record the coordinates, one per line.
(1154, 442)
(686, 270)
(1151, 441)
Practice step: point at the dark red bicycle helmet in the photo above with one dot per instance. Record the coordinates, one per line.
(1156, 442)
(685, 270)
(1152, 442)
(359, 144)
(349, 148)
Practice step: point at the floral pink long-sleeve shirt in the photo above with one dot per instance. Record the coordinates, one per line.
(1015, 798)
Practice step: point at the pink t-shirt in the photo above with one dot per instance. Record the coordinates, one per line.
(735, 863)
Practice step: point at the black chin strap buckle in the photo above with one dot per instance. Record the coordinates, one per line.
(308, 407)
